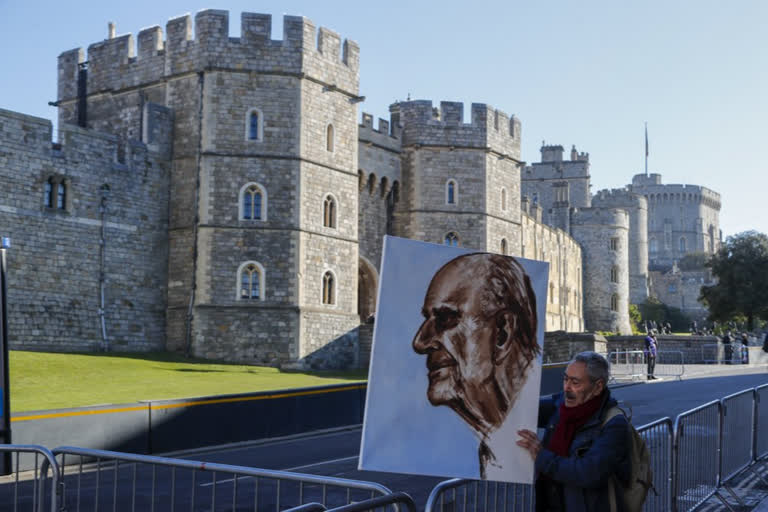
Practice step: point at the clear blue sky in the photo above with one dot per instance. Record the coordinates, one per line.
(584, 73)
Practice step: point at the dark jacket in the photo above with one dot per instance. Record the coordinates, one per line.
(596, 454)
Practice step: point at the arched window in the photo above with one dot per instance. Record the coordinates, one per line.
(329, 138)
(61, 196)
(614, 302)
(614, 274)
(504, 246)
(329, 288)
(653, 245)
(551, 293)
(48, 195)
(503, 199)
(683, 244)
(329, 211)
(250, 281)
(253, 202)
(451, 192)
(451, 239)
(254, 125)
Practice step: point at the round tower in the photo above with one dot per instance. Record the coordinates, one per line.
(604, 237)
(637, 208)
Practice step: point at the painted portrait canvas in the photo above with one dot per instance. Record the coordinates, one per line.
(455, 363)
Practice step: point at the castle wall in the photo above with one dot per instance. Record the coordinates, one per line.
(565, 292)
(637, 208)
(603, 234)
(55, 260)
(681, 289)
(379, 184)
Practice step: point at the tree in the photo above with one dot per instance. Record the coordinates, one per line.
(741, 270)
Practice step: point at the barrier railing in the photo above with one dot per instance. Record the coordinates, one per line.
(670, 363)
(627, 364)
(658, 437)
(459, 495)
(396, 499)
(710, 353)
(697, 455)
(738, 410)
(160, 483)
(761, 422)
(37, 492)
(718, 353)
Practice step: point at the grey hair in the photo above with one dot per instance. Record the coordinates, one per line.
(598, 367)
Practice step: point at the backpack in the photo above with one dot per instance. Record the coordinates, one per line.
(640, 475)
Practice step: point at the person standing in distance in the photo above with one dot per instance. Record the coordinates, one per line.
(650, 355)
(579, 455)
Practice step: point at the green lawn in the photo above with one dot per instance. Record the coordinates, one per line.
(42, 380)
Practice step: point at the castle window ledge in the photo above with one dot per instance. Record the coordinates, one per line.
(52, 210)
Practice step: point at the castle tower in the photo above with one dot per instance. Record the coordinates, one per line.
(461, 181)
(263, 241)
(637, 207)
(557, 184)
(681, 219)
(603, 234)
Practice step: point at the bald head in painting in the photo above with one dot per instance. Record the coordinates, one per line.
(479, 336)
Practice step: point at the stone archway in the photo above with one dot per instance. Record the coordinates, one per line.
(367, 285)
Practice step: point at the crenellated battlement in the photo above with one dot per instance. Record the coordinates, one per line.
(118, 62)
(488, 127)
(619, 197)
(616, 218)
(386, 135)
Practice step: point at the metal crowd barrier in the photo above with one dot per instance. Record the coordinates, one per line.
(761, 422)
(697, 456)
(37, 492)
(459, 495)
(737, 444)
(714, 353)
(395, 499)
(627, 364)
(658, 437)
(108, 481)
(670, 363)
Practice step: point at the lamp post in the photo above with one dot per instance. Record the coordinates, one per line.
(5, 401)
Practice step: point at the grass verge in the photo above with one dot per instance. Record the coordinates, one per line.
(41, 380)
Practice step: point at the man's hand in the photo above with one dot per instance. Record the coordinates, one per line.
(530, 441)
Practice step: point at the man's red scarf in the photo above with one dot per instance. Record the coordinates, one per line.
(571, 419)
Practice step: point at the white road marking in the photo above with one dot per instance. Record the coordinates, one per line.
(305, 466)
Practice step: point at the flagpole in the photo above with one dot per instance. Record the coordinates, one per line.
(646, 149)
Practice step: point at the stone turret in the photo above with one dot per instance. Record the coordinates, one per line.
(637, 207)
(603, 234)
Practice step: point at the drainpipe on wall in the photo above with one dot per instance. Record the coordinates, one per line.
(102, 265)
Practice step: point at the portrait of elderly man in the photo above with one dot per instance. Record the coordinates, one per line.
(479, 339)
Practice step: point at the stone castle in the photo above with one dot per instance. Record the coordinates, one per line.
(217, 196)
